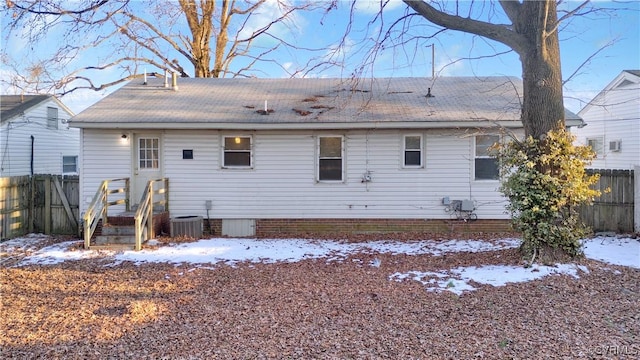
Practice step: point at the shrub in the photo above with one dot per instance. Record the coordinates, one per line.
(545, 181)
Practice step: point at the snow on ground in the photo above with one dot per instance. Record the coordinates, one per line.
(612, 250)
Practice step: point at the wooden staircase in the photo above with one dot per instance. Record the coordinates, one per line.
(116, 237)
(127, 230)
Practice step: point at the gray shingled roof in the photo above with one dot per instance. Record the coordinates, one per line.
(309, 103)
(15, 105)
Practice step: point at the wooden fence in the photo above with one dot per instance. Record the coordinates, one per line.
(41, 203)
(614, 210)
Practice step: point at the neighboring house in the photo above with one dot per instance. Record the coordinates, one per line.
(612, 121)
(35, 137)
(278, 153)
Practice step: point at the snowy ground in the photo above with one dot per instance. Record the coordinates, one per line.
(622, 251)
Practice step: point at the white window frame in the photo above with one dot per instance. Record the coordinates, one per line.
(75, 158)
(599, 145)
(225, 151)
(403, 155)
(480, 157)
(52, 118)
(155, 154)
(319, 158)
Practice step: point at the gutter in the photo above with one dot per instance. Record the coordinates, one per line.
(306, 126)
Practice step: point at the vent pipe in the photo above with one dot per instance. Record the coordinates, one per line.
(174, 81)
(166, 81)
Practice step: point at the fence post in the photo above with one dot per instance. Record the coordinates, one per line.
(47, 205)
(32, 203)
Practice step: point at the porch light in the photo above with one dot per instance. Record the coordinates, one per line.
(124, 138)
(237, 140)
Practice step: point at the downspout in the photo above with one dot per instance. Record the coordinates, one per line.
(32, 141)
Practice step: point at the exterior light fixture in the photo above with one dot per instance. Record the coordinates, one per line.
(237, 140)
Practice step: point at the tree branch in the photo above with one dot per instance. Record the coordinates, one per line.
(30, 9)
(499, 33)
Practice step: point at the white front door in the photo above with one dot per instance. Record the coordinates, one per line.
(147, 165)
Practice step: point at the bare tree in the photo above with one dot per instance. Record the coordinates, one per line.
(533, 35)
(150, 34)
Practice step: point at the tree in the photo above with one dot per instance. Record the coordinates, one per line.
(533, 35)
(220, 32)
(537, 167)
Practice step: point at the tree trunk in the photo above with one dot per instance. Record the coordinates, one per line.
(542, 108)
(222, 38)
(534, 36)
(201, 27)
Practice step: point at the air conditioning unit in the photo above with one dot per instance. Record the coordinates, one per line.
(615, 146)
(189, 226)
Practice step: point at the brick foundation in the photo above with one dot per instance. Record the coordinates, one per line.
(309, 227)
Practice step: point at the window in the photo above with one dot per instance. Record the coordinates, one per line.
(330, 156)
(486, 166)
(237, 151)
(69, 164)
(597, 145)
(52, 118)
(149, 153)
(412, 150)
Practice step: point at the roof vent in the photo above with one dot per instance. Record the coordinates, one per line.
(174, 81)
(429, 93)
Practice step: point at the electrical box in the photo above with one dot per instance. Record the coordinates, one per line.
(467, 205)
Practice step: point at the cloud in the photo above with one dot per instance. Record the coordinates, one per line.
(269, 11)
(373, 6)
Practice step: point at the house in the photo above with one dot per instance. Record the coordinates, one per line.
(35, 137)
(261, 156)
(612, 121)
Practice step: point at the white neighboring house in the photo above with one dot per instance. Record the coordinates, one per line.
(612, 121)
(35, 137)
(324, 149)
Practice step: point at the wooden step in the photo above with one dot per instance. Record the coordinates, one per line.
(117, 235)
(115, 239)
(113, 247)
(118, 230)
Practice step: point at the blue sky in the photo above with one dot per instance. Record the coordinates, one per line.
(618, 32)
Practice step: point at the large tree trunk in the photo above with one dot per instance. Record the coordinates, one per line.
(534, 36)
(542, 108)
(201, 28)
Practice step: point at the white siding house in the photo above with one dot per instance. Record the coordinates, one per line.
(612, 121)
(323, 149)
(35, 137)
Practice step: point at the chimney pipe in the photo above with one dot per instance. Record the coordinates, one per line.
(174, 81)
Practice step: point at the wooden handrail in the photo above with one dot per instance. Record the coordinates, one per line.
(144, 214)
(99, 207)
